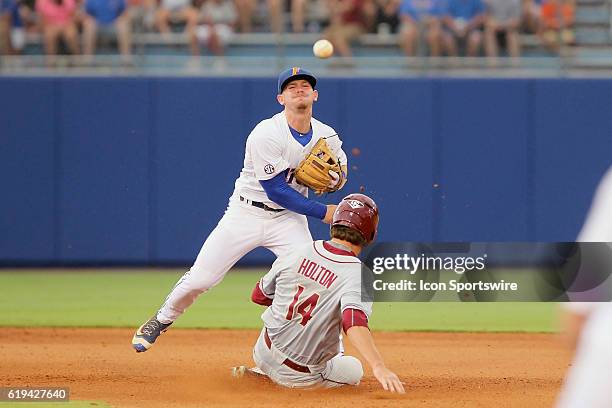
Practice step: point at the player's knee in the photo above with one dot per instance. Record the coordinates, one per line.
(353, 370)
(202, 280)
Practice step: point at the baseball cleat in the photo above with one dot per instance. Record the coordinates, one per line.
(256, 370)
(146, 334)
(242, 371)
(238, 371)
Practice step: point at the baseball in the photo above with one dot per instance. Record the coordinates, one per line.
(323, 49)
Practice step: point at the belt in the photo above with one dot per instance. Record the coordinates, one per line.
(260, 205)
(287, 362)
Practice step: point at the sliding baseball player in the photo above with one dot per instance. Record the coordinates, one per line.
(312, 294)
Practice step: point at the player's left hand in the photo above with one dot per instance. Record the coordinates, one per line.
(320, 170)
(334, 180)
(388, 379)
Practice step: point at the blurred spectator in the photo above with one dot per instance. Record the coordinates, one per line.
(176, 11)
(12, 26)
(6, 7)
(298, 14)
(348, 20)
(316, 9)
(275, 8)
(142, 14)
(57, 18)
(501, 26)
(246, 11)
(387, 16)
(464, 20)
(421, 17)
(111, 16)
(23, 18)
(218, 20)
(557, 18)
(532, 9)
(298, 19)
(308, 15)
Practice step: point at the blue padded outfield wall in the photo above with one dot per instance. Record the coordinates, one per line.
(139, 170)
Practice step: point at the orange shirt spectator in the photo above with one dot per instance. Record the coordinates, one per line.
(56, 12)
(554, 13)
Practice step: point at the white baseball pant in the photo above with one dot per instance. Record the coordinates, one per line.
(340, 370)
(242, 229)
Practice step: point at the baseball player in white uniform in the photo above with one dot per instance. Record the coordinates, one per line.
(312, 294)
(589, 325)
(268, 207)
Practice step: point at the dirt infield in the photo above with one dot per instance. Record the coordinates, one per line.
(189, 368)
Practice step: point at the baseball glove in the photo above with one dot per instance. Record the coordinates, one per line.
(320, 170)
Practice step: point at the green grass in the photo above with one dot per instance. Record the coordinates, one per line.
(124, 298)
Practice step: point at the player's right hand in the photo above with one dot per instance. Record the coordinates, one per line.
(331, 209)
(388, 379)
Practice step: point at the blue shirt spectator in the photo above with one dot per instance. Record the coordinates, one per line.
(418, 9)
(7, 6)
(465, 9)
(16, 16)
(105, 11)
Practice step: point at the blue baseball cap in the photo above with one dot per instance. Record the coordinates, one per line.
(292, 74)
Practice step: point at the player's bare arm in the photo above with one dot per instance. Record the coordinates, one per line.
(361, 338)
(331, 208)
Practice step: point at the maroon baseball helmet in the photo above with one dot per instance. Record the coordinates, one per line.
(358, 212)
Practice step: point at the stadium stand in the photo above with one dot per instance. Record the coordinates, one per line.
(592, 51)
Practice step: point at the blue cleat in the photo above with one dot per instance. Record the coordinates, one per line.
(146, 334)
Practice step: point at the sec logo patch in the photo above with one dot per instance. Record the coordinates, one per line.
(269, 169)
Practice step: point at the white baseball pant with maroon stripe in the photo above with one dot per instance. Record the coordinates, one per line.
(340, 370)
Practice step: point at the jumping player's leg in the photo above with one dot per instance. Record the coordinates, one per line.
(286, 232)
(342, 370)
(239, 231)
(230, 240)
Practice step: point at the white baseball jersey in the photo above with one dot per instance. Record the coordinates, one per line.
(271, 149)
(310, 289)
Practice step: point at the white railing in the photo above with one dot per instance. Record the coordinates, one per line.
(164, 65)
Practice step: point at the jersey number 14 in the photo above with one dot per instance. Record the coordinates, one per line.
(303, 307)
